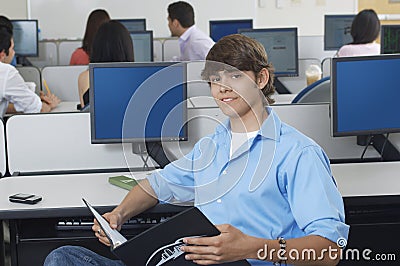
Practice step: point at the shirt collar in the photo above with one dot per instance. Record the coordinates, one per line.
(186, 34)
(270, 129)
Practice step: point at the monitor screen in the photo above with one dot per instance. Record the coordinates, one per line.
(134, 24)
(390, 39)
(25, 34)
(365, 95)
(136, 102)
(281, 46)
(221, 28)
(142, 45)
(337, 31)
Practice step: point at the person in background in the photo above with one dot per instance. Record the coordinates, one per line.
(260, 181)
(81, 55)
(364, 30)
(5, 22)
(194, 44)
(13, 88)
(112, 43)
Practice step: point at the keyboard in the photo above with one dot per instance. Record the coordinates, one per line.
(137, 222)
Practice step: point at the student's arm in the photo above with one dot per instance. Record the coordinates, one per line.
(233, 245)
(139, 199)
(83, 85)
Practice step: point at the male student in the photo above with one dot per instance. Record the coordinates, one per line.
(13, 88)
(5, 22)
(194, 44)
(262, 183)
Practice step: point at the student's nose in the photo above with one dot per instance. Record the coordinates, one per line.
(224, 85)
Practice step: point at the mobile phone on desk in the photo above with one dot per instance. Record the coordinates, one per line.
(25, 198)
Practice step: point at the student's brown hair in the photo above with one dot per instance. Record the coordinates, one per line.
(95, 20)
(237, 51)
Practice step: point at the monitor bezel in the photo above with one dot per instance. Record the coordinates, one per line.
(94, 140)
(333, 109)
(122, 20)
(36, 54)
(325, 29)
(150, 32)
(216, 22)
(383, 29)
(277, 74)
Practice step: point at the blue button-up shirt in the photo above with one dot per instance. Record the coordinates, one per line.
(279, 184)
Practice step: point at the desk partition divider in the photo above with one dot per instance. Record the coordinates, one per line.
(57, 143)
(2, 150)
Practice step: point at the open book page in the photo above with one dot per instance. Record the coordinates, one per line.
(113, 235)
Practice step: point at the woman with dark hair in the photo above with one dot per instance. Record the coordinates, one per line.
(112, 43)
(81, 55)
(364, 30)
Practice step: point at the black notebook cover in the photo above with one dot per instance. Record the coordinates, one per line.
(160, 244)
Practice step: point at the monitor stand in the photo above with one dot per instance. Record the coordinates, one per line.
(22, 60)
(279, 87)
(380, 142)
(161, 155)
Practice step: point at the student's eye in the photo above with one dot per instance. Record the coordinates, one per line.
(215, 79)
(236, 75)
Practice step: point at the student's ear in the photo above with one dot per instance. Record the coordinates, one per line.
(176, 23)
(2, 55)
(262, 78)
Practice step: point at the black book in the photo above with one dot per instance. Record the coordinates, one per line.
(160, 245)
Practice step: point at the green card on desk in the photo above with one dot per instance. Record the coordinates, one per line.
(122, 181)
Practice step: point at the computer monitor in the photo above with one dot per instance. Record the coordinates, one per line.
(25, 34)
(134, 24)
(282, 48)
(337, 31)
(365, 95)
(221, 28)
(138, 102)
(142, 45)
(390, 39)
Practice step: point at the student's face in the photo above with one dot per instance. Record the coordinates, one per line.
(8, 58)
(172, 27)
(236, 93)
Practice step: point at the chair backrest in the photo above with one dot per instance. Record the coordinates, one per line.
(157, 50)
(31, 74)
(171, 49)
(48, 54)
(63, 81)
(65, 50)
(326, 66)
(2, 149)
(317, 92)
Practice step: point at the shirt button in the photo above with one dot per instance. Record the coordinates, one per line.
(224, 172)
(219, 200)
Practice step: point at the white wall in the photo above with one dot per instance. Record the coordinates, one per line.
(14, 9)
(307, 15)
(67, 18)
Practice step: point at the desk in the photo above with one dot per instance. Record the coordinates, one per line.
(65, 107)
(32, 228)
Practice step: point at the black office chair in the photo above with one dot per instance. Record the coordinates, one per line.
(317, 92)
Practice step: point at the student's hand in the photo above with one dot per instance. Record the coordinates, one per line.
(50, 99)
(115, 222)
(230, 245)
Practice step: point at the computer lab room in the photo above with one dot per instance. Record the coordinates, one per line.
(138, 111)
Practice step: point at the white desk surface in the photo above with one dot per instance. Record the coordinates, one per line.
(59, 192)
(66, 107)
(367, 179)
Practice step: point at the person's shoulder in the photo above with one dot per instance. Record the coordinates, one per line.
(293, 136)
(7, 69)
(79, 57)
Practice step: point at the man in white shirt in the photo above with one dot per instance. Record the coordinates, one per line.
(13, 88)
(194, 44)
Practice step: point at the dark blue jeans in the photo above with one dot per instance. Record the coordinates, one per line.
(79, 256)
